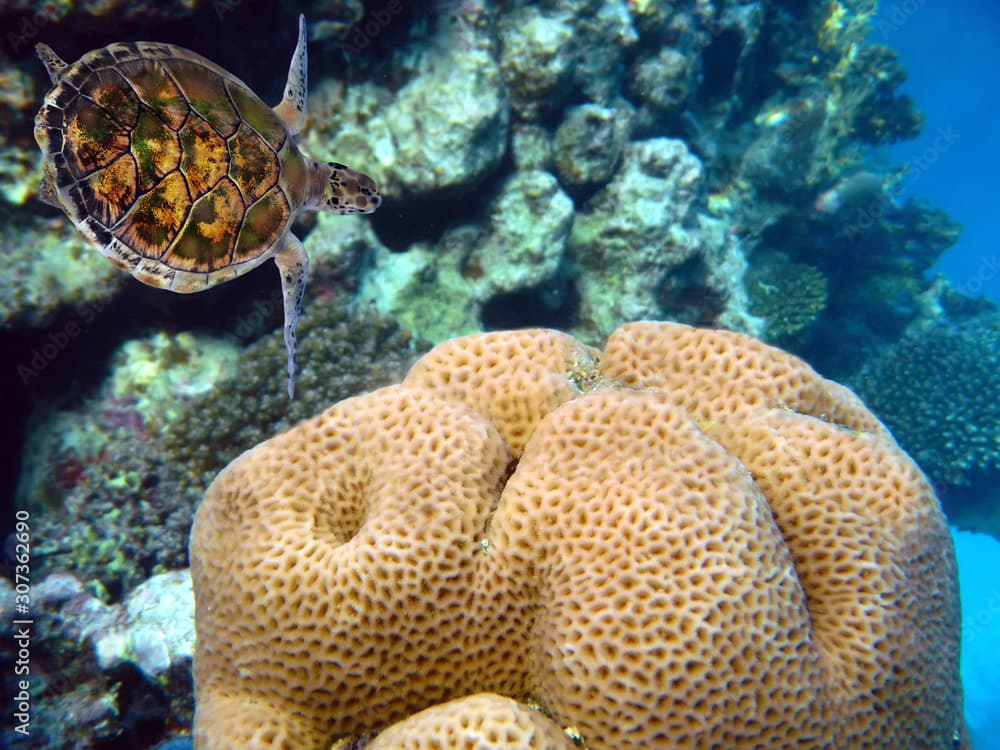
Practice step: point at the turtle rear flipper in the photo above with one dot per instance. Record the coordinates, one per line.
(293, 265)
(47, 191)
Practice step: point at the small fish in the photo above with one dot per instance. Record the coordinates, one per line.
(860, 191)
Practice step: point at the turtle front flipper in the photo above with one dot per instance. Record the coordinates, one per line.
(54, 65)
(293, 265)
(292, 108)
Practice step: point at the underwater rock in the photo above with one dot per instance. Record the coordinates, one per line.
(338, 248)
(449, 125)
(662, 82)
(531, 147)
(441, 290)
(573, 48)
(112, 477)
(81, 700)
(602, 37)
(334, 19)
(633, 234)
(153, 629)
(650, 17)
(20, 168)
(20, 174)
(536, 61)
(446, 128)
(528, 223)
(588, 145)
(158, 373)
(49, 267)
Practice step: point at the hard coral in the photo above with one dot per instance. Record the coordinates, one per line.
(702, 543)
(486, 720)
(939, 391)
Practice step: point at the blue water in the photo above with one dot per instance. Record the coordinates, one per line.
(951, 51)
(978, 561)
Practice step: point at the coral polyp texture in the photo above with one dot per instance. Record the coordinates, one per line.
(687, 540)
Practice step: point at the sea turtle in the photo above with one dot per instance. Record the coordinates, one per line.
(180, 174)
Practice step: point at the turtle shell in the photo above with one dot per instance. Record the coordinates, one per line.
(174, 168)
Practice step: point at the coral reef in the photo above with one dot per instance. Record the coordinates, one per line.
(938, 390)
(572, 164)
(443, 290)
(631, 235)
(787, 296)
(106, 675)
(50, 268)
(681, 541)
(113, 479)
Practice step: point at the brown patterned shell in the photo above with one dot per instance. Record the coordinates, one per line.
(172, 166)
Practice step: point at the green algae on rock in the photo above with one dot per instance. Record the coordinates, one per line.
(50, 268)
(588, 145)
(441, 290)
(640, 228)
(112, 480)
(347, 352)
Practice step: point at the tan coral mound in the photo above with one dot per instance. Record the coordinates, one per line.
(691, 541)
(484, 720)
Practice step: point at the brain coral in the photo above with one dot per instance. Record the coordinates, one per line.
(689, 540)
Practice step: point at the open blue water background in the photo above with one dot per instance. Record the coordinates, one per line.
(951, 51)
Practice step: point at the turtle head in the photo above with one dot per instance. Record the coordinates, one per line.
(342, 190)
